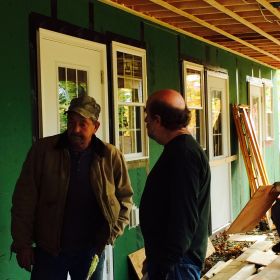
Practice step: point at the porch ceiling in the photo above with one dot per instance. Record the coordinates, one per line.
(250, 28)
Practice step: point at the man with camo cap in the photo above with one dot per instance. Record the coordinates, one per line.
(73, 197)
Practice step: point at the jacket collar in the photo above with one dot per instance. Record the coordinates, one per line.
(97, 145)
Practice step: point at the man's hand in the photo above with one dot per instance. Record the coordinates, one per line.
(25, 258)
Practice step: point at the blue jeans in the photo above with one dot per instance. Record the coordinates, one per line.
(49, 267)
(185, 269)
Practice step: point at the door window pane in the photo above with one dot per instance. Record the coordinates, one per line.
(268, 112)
(71, 83)
(216, 102)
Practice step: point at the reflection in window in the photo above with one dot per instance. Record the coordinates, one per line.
(255, 112)
(71, 83)
(268, 112)
(130, 92)
(130, 129)
(216, 100)
(194, 92)
(193, 81)
(196, 124)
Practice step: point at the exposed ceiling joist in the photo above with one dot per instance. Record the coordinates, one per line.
(212, 27)
(248, 28)
(225, 10)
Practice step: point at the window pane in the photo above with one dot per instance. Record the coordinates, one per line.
(269, 126)
(82, 82)
(120, 63)
(195, 124)
(268, 99)
(255, 112)
(216, 100)
(130, 129)
(71, 83)
(193, 94)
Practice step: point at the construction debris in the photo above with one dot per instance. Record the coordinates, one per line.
(243, 256)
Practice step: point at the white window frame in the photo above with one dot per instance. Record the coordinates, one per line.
(197, 67)
(120, 47)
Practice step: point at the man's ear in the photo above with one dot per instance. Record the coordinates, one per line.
(157, 118)
(96, 124)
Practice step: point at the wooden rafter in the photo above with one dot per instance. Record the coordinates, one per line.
(246, 28)
(269, 7)
(234, 15)
(212, 27)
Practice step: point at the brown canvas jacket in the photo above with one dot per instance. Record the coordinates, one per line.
(40, 193)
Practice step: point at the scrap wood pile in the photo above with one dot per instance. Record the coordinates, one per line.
(241, 256)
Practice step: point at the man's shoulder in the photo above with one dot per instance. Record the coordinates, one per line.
(49, 141)
(107, 147)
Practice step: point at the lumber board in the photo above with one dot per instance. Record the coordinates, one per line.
(210, 248)
(229, 270)
(247, 237)
(262, 258)
(254, 210)
(137, 258)
(271, 272)
(244, 272)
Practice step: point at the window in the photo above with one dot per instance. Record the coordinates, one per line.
(194, 95)
(268, 109)
(71, 83)
(129, 77)
(216, 105)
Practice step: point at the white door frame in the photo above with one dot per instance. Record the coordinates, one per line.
(224, 159)
(45, 100)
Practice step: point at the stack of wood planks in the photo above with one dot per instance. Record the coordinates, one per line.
(258, 262)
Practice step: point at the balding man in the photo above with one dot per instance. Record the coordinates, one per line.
(175, 205)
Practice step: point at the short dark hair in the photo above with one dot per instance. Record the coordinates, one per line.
(171, 118)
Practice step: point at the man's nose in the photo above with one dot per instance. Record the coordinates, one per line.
(76, 128)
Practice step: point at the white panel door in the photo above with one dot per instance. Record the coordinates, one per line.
(218, 127)
(68, 67)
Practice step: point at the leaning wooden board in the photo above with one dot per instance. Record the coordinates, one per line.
(254, 210)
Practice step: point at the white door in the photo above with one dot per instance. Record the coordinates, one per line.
(69, 67)
(218, 128)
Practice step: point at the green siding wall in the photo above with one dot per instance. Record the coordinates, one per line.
(165, 50)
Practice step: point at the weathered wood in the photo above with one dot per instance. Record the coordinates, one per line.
(214, 270)
(210, 248)
(137, 258)
(229, 270)
(254, 210)
(244, 272)
(247, 237)
(271, 272)
(262, 258)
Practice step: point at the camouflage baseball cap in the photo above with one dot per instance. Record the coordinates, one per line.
(85, 106)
